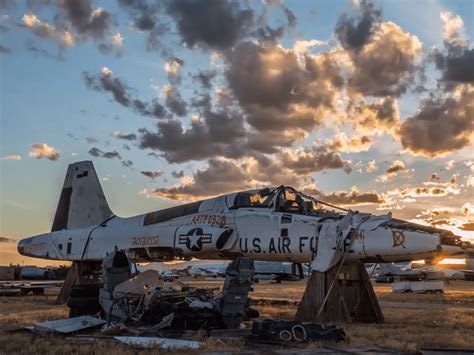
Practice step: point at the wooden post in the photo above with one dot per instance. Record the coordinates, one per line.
(351, 298)
(71, 277)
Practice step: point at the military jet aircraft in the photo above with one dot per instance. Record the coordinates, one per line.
(269, 224)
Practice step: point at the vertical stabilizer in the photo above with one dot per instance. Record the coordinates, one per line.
(82, 202)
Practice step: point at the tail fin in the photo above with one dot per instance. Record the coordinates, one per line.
(82, 202)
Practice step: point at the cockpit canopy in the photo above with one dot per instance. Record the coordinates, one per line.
(280, 199)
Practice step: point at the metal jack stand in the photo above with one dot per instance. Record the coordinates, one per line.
(342, 294)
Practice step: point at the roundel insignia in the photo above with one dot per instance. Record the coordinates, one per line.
(194, 239)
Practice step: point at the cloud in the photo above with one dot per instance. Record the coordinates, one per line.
(75, 21)
(204, 78)
(342, 143)
(434, 177)
(173, 68)
(7, 239)
(455, 62)
(355, 32)
(42, 150)
(450, 164)
(177, 174)
(11, 157)
(117, 40)
(392, 171)
(152, 174)
(174, 100)
(387, 64)
(442, 125)
(350, 198)
(127, 163)
(216, 134)
(105, 82)
(215, 24)
(128, 137)
(371, 166)
(43, 29)
(96, 152)
(220, 177)
(377, 117)
(319, 158)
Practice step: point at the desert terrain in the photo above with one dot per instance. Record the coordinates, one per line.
(412, 321)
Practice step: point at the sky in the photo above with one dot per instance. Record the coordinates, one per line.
(367, 105)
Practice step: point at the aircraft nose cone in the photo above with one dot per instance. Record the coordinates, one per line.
(21, 246)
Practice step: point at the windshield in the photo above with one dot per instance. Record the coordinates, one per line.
(262, 198)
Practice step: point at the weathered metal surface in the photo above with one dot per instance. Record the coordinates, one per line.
(68, 325)
(165, 343)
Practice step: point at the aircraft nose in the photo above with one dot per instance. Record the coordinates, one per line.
(21, 246)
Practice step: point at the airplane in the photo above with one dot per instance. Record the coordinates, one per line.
(264, 270)
(390, 272)
(267, 224)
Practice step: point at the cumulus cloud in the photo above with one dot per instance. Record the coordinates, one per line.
(392, 171)
(371, 166)
(215, 24)
(220, 177)
(128, 137)
(342, 143)
(377, 117)
(355, 32)
(121, 93)
(442, 125)
(455, 61)
(216, 134)
(350, 198)
(76, 21)
(173, 68)
(152, 174)
(42, 150)
(387, 64)
(11, 157)
(96, 152)
(319, 158)
(174, 100)
(45, 30)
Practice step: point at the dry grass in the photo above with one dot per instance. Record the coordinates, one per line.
(405, 328)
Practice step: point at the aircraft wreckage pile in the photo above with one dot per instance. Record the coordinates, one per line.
(145, 306)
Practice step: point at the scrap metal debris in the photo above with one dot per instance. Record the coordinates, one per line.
(146, 304)
(293, 331)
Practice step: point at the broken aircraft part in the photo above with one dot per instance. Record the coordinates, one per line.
(146, 302)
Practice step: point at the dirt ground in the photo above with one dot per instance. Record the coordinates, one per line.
(412, 321)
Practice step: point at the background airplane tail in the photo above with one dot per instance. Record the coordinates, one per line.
(82, 202)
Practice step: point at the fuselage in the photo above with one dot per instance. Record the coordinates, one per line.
(232, 225)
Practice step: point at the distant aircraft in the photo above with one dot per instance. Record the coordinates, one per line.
(391, 272)
(268, 224)
(264, 270)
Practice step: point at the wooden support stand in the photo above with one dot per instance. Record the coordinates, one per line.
(71, 277)
(351, 298)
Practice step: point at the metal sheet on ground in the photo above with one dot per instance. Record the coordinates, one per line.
(68, 325)
(165, 343)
